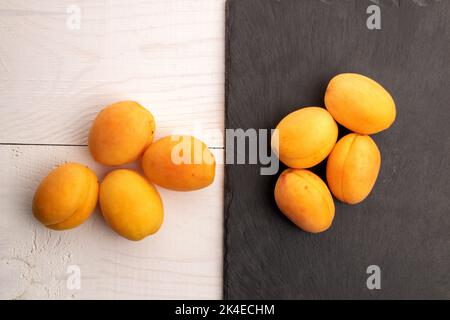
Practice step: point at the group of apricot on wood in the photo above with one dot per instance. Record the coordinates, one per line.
(308, 136)
(123, 133)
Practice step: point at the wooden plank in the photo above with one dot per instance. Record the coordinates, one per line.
(183, 260)
(167, 55)
(280, 57)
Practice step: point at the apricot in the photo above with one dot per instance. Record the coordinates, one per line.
(130, 204)
(305, 199)
(66, 197)
(360, 103)
(352, 168)
(120, 133)
(181, 163)
(305, 137)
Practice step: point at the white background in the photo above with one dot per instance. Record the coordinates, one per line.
(166, 54)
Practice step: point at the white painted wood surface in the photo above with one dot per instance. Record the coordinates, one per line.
(168, 55)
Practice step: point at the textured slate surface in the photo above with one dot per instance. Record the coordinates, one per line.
(280, 55)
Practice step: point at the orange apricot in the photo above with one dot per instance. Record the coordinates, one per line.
(130, 204)
(353, 167)
(66, 197)
(181, 163)
(305, 199)
(360, 103)
(120, 133)
(305, 137)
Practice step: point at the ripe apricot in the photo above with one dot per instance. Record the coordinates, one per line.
(66, 197)
(130, 204)
(353, 167)
(120, 133)
(305, 199)
(305, 137)
(181, 163)
(360, 103)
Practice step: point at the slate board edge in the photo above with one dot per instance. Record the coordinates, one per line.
(228, 194)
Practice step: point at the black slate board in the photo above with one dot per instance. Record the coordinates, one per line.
(280, 55)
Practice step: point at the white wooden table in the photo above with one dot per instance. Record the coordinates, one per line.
(169, 56)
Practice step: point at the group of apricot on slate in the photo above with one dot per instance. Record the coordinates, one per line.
(308, 136)
(123, 133)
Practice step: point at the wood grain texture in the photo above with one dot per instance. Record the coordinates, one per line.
(167, 55)
(182, 261)
(280, 56)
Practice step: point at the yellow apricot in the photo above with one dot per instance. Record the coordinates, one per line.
(181, 163)
(66, 197)
(305, 137)
(353, 167)
(130, 204)
(360, 103)
(305, 199)
(120, 133)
